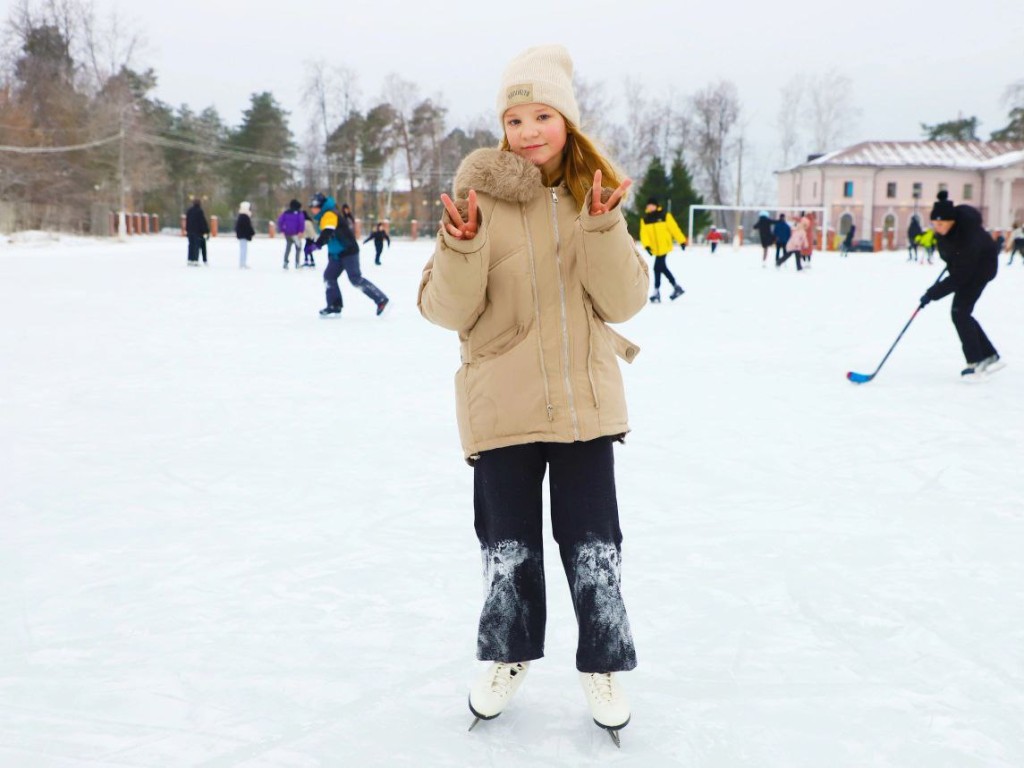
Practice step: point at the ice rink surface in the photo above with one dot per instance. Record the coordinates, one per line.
(235, 534)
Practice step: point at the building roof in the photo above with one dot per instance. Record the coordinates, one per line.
(968, 155)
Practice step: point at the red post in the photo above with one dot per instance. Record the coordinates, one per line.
(359, 229)
(156, 223)
(112, 224)
(877, 240)
(214, 221)
(183, 225)
(271, 228)
(414, 229)
(145, 223)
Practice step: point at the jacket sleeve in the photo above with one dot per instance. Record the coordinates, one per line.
(328, 222)
(613, 272)
(453, 286)
(673, 227)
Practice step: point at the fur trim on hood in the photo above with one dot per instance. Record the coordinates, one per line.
(500, 174)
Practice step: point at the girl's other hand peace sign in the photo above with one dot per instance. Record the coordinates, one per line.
(596, 206)
(457, 228)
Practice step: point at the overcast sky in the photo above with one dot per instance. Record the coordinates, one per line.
(910, 62)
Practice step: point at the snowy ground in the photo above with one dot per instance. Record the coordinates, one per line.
(235, 534)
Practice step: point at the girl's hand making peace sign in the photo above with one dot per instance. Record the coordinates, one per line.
(457, 228)
(596, 206)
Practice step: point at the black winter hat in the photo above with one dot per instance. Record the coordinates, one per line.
(294, 205)
(652, 201)
(943, 210)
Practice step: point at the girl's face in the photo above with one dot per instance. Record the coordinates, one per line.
(537, 133)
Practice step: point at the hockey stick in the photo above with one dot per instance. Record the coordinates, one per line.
(864, 378)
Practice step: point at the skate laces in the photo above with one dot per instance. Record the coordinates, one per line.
(601, 683)
(501, 680)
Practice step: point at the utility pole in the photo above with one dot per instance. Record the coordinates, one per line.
(739, 196)
(121, 232)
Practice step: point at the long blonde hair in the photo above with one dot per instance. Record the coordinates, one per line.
(580, 158)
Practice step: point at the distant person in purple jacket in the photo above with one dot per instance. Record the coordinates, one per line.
(292, 223)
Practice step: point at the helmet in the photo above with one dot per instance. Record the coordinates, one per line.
(317, 201)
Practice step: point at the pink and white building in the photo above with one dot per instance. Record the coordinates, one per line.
(880, 185)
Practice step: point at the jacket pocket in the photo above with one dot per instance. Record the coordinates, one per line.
(495, 346)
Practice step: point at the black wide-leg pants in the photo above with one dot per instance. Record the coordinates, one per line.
(508, 506)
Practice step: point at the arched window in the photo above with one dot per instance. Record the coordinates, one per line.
(845, 222)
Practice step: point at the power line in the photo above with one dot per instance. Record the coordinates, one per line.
(57, 150)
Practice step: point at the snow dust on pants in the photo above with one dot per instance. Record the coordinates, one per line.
(973, 340)
(508, 506)
(350, 265)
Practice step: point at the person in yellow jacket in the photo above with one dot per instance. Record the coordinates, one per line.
(927, 241)
(658, 231)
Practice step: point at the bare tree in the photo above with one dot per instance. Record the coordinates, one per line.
(595, 108)
(401, 94)
(789, 117)
(716, 109)
(333, 95)
(106, 48)
(829, 110)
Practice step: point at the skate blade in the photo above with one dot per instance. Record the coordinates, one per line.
(477, 717)
(613, 730)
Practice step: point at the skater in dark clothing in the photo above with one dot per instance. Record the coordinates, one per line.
(197, 228)
(972, 258)
(310, 234)
(529, 278)
(1015, 243)
(342, 255)
(764, 232)
(379, 235)
(847, 246)
(244, 232)
(914, 231)
(658, 231)
(782, 232)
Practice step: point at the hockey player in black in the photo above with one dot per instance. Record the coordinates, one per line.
(972, 257)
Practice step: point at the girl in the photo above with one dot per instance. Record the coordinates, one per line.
(244, 232)
(532, 261)
(797, 245)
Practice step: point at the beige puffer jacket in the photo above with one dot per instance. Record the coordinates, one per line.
(530, 296)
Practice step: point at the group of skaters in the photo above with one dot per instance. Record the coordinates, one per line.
(305, 232)
(795, 241)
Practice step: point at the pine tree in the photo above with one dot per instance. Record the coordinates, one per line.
(683, 195)
(655, 184)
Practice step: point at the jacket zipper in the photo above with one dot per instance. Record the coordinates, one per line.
(549, 408)
(565, 321)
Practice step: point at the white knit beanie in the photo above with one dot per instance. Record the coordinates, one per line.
(542, 74)
(245, 207)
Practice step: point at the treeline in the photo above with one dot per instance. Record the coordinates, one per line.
(81, 134)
